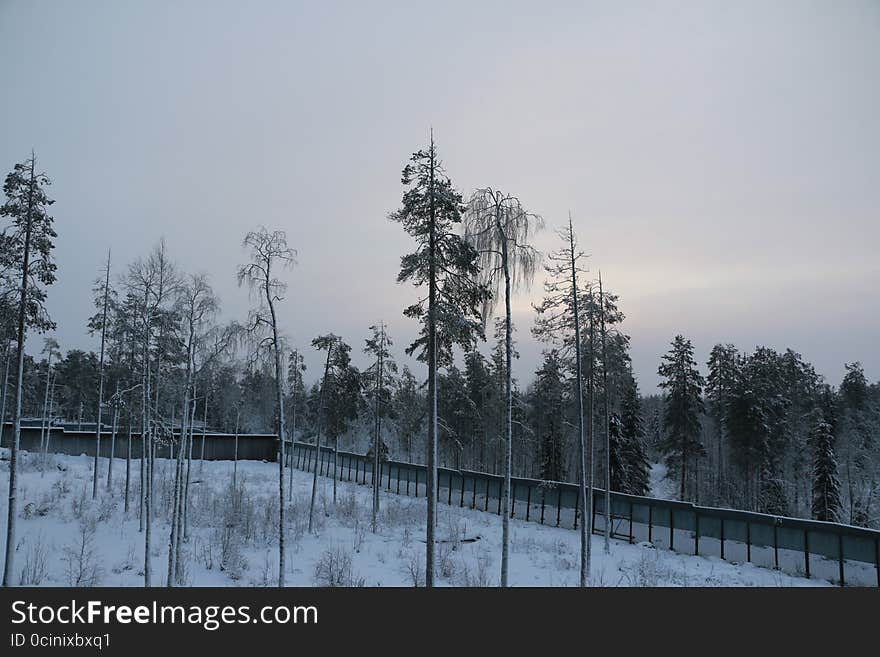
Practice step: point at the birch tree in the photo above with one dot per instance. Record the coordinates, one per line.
(499, 228)
(26, 248)
(269, 252)
(450, 313)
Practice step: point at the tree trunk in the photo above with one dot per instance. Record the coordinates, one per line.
(12, 512)
(128, 467)
(101, 382)
(318, 441)
(508, 397)
(276, 346)
(591, 435)
(605, 419)
(586, 516)
(113, 440)
(43, 422)
(431, 479)
(235, 458)
(5, 384)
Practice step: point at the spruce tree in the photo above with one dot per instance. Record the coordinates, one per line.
(826, 485)
(682, 409)
(632, 433)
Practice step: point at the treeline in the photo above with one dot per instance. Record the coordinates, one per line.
(764, 432)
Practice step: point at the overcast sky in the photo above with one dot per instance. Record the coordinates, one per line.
(721, 160)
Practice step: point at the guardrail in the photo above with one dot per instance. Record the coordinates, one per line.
(843, 554)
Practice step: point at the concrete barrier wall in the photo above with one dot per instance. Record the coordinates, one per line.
(254, 447)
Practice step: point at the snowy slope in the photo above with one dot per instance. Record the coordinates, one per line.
(234, 541)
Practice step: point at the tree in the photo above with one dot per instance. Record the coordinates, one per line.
(295, 368)
(682, 408)
(51, 349)
(326, 343)
(196, 307)
(826, 485)
(341, 399)
(722, 377)
(450, 314)
(633, 464)
(268, 252)
(26, 247)
(409, 410)
(499, 228)
(854, 387)
(378, 346)
(104, 291)
(547, 416)
(559, 321)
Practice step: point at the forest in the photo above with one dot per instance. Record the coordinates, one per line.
(757, 429)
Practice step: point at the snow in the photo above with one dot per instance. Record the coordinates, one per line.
(240, 549)
(661, 487)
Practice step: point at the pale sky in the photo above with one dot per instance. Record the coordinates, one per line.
(721, 160)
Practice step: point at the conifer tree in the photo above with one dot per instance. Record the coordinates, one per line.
(26, 254)
(450, 313)
(682, 408)
(826, 485)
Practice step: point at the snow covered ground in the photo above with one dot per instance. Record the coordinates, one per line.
(65, 538)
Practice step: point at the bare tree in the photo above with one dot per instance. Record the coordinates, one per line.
(500, 228)
(268, 252)
(559, 320)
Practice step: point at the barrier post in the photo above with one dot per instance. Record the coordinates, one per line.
(528, 502)
(807, 552)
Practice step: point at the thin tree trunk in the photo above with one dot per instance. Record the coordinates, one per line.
(235, 461)
(292, 431)
(12, 511)
(318, 440)
(378, 411)
(101, 381)
(49, 424)
(204, 430)
(508, 397)
(189, 453)
(591, 434)
(113, 440)
(5, 385)
(605, 419)
(43, 420)
(585, 498)
(276, 346)
(128, 466)
(335, 470)
(431, 483)
(174, 570)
